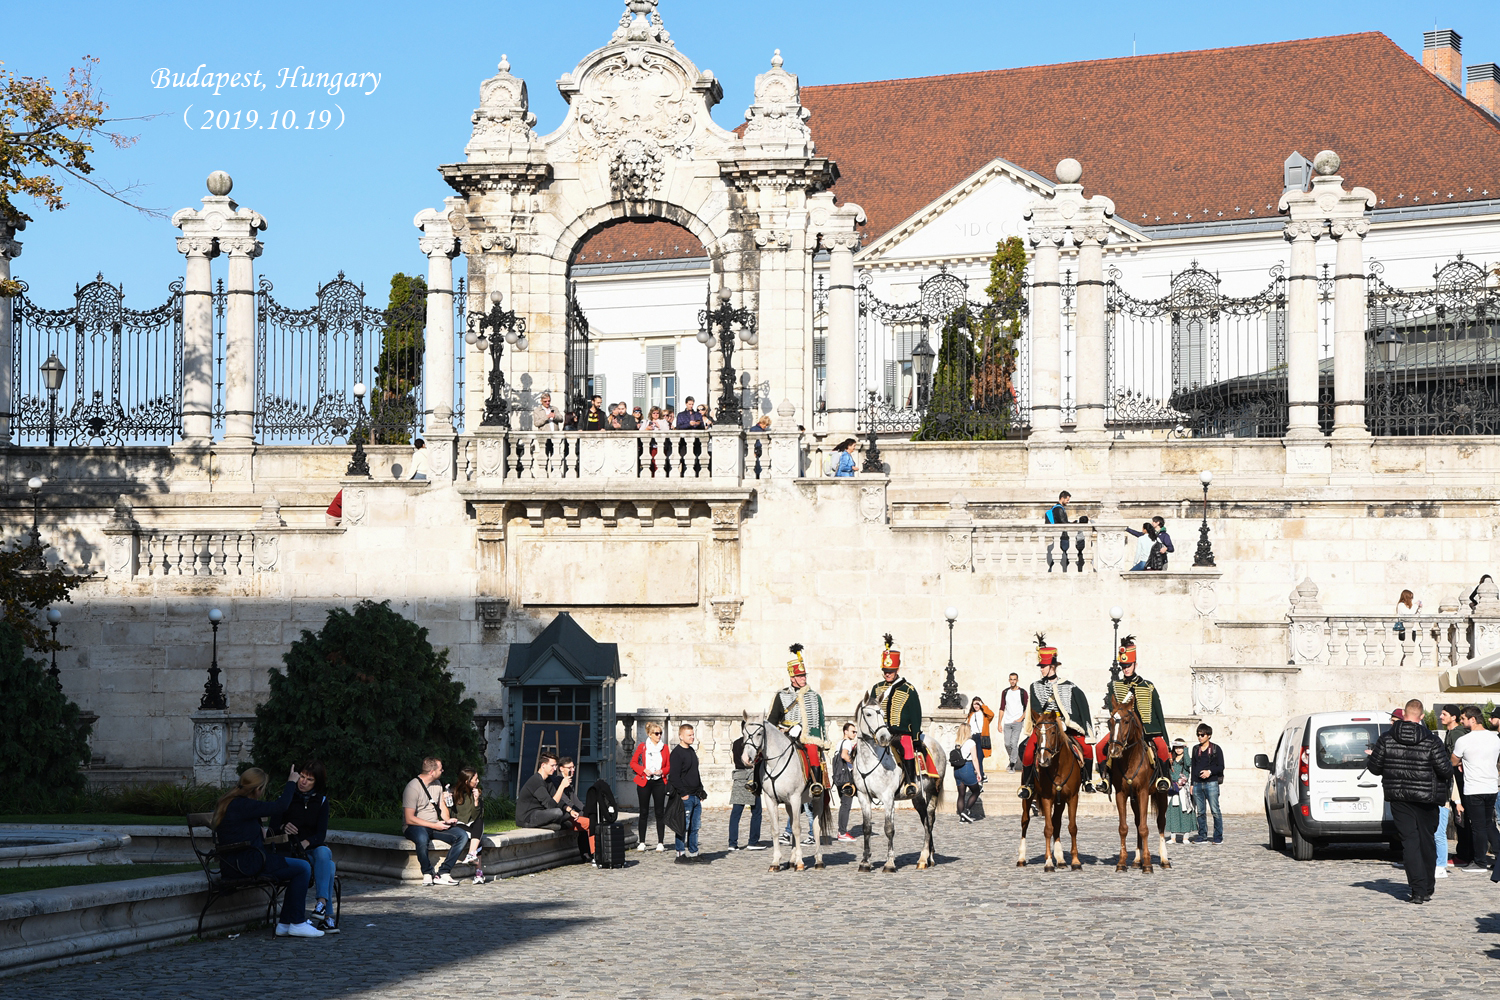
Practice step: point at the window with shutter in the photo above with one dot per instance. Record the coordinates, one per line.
(598, 387)
(661, 360)
(892, 373)
(638, 391)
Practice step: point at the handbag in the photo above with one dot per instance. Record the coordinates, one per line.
(676, 817)
(984, 741)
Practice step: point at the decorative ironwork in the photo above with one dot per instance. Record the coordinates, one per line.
(123, 382)
(580, 379)
(726, 323)
(213, 692)
(1446, 377)
(978, 389)
(460, 355)
(1209, 363)
(493, 330)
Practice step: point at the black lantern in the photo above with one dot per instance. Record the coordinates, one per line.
(872, 463)
(54, 619)
(489, 331)
(725, 323)
(922, 358)
(53, 371)
(1388, 345)
(359, 463)
(1205, 554)
(950, 698)
(34, 561)
(213, 691)
(1115, 614)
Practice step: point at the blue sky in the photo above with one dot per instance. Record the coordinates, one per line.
(343, 198)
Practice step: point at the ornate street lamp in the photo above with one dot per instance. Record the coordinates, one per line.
(489, 331)
(1115, 614)
(54, 619)
(213, 691)
(1205, 554)
(872, 463)
(359, 463)
(725, 323)
(52, 371)
(1388, 348)
(35, 561)
(950, 698)
(922, 358)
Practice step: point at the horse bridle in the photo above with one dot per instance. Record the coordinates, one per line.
(1042, 749)
(882, 751)
(760, 754)
(1117, 744)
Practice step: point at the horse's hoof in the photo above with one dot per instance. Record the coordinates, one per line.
(1145, 871)
(1119, 868)
(1049, 868)
(801, 867)
(819, 866)
(922, 865)
(1076, 867)
(865, 868)
(1166, 864)
(775, 868)
(1020, 864)
(889, 868)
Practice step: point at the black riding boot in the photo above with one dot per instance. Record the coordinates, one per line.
(909, 776)
(1028, 779)
(1088, 775)
(1163, 782)
(817, 788)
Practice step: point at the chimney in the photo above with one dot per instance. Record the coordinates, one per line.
(1440, 57)
(1484, 87)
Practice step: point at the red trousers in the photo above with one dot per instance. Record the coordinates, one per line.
(907, 753)
(1163, 752)
(814, 756)
(1028, 753)
(581, 824)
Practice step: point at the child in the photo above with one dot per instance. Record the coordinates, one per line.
(843, 778)
(469, 811)
(684, 781)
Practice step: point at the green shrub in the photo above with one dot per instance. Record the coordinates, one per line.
(370, 697)
(43, 743)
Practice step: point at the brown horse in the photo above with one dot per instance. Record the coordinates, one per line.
(1058, 775)
(1128, 764)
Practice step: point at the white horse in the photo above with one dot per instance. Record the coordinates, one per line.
(877, 781)
(783, 783)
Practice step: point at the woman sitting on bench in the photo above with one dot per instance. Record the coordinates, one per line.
(242, 850)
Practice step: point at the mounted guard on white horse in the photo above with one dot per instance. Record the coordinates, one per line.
(798, 710)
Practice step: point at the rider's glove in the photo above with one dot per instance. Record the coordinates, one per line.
(795, 732)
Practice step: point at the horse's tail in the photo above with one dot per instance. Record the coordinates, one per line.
(940, 762)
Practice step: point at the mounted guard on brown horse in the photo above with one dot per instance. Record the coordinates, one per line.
(1130, 762)
(1057, 758)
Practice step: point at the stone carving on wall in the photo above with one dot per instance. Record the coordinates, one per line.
(636, 171)
(210, 742)
(727, 612)
(777, 121)
(491, 611)
(1208, 692)
(634, 95)
(503, 122)
(491, 454)
(872, 504)
(641, 22)
(1205, 598)
(958, 547)
(268, 552)
(356, 505)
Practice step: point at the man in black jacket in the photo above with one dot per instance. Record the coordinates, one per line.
(538, 803)
(684, 781)
(1414, 769)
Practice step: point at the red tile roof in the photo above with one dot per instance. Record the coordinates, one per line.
(1181, 137)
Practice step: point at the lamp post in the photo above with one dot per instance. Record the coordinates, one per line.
(922, 358)
(1388, 348)
(213, 691)
(1205, 554)
(950, 698)
(726, 322)
(52, 371)
(34, 561)
(359, 463)
(1115, 614)
(872, 463)
(54, 619)
(489, 331)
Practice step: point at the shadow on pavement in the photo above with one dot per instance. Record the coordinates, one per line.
(1391, 887)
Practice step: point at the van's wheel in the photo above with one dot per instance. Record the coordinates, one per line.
(1302, 848)
(1278, 842)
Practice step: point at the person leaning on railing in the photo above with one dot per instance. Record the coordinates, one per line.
(1407, 605)
(242, 848)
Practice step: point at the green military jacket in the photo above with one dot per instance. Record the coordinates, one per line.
(902, 705)
(791, 707)
(1147, 704)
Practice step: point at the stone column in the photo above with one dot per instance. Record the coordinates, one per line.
(1093, 348)
(197, 340)
(1349, 328)
(842, 349)
(1302, 330)
(10, 249)
(239, 342)
(1046, 334)
(440, 245)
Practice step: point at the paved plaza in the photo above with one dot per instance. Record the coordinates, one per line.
(1231, 921)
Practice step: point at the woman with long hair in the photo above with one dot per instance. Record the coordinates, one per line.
(843, 467)
(1145, 542)
(650, 764)
(1406, 606)
(965, 775)
(237, 833)
(305, 824)
(980, 717)
(468, 809)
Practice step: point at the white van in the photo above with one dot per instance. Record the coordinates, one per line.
(1321, 790)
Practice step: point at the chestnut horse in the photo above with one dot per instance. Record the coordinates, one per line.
(1058, 775)
(1128, 764)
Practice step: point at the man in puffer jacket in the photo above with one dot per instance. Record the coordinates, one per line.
(1414, 768)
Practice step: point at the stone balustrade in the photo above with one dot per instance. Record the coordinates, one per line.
(723, 456)
(1023, 548)
(1436, 641)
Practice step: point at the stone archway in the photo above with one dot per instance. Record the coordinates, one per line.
(638, 142)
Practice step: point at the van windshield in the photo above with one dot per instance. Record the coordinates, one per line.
(1342, 747)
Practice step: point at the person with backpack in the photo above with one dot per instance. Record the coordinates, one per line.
(1058, 514)
(963, 758)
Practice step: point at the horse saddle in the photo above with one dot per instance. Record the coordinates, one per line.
(925, 765)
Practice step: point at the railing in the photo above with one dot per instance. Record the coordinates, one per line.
(595, 455)
(1437, 641)
(1027, 548)
(195, 553)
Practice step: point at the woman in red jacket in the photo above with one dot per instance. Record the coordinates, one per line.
(650, 764)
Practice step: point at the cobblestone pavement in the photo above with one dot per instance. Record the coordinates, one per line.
(1231, 921)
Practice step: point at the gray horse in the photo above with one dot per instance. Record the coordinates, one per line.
(784, 783)
(877, 780)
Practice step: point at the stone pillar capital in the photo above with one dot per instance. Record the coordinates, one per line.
(241, 246)
(840, 242)
(1097, 235)
(440, 231)
(197, 246)
(1304, 230)
(1357, 227)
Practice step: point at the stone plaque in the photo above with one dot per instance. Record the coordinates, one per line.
(600, 571)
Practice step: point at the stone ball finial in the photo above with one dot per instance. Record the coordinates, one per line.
(1069, 171)
(504, 63)
(1326, 163)
(786, 410)
(776, 59)
(220, 184)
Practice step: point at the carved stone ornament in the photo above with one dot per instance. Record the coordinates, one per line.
(503, 122)
(872, 504)
(268, 551)
(491, 453)
(356, 505)
(776, 124)
(641, 22)
(958, 549)
(636, 173)
(1205, 598)
(1309, 644)
(727, 612)
(477, 244)
(491, 611)
(726, 518)
(1208, 692)
(210, 743)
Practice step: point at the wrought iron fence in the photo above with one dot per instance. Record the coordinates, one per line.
(1211, 364)
(460, 354)
(1446, 377)
(978, 385)
(579, 379)
(123, 379)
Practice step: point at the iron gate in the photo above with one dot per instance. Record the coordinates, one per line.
(1446, 379)
(580, 380)
(123, 383)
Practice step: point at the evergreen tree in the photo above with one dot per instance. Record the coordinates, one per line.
(42, 741)
(370, 697)
(398, 372)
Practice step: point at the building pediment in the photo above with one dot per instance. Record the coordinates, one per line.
(970, 218)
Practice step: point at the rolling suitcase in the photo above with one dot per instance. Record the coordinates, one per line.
(609, 849)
